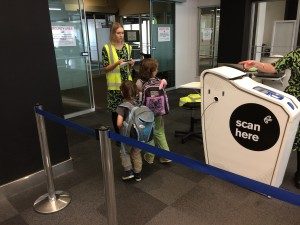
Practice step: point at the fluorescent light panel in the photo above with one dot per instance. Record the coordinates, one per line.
(55, 9)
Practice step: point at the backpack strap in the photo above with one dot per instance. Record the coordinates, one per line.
(127, 105)
(131, 109)
(152, 81)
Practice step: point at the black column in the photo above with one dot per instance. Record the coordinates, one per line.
(28, 75)
(234, 30)
(291, 7)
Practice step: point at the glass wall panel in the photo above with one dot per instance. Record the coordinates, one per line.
(163, 38)
(72, 56)
(209, 20)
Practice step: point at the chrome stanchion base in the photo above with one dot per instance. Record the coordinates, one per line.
(45, 205)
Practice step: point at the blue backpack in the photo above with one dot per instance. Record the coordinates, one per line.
(139, 124)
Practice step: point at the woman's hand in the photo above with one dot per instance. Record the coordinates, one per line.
(131, 62)
(252, 65)
(119, 62)
(112, 66)
(248, 64)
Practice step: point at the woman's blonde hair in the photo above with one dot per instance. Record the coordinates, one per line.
(113, 30)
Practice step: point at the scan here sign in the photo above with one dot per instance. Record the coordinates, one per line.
(254, 127)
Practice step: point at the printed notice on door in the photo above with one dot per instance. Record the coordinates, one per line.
(206, 34)
(164, 34)
(63, 36)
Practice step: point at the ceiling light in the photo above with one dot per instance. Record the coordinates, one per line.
(55, 9)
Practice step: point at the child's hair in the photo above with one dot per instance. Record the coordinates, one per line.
(147, 67)
(128, 89)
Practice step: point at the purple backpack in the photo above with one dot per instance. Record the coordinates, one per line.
(154, 98)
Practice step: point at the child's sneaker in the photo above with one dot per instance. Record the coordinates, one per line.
(148, 158)
(128, 175)
(137, 177)
(165, 160)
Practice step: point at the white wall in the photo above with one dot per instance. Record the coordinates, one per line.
(274, 11)
(186, 34)
(260, 29)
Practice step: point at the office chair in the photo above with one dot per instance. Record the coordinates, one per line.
(191, 102)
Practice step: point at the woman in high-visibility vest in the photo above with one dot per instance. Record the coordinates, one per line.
(117, 62)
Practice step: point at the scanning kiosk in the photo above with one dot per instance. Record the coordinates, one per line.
(248, 128)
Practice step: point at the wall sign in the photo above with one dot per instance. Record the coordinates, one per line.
(63, 36)
(164, 34)
(206, 34)
(254, 127)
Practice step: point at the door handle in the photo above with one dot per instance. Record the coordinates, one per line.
(84, 54)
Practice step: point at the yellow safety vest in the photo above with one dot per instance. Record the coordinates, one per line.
(113, 78)
(190, 98)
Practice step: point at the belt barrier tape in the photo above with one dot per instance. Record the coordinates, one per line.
(67, 123)
(241, 181)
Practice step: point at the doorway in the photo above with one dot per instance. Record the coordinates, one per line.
(270, 34)
(72, 56)
(162, 17)
(137, 34)
(208, 37)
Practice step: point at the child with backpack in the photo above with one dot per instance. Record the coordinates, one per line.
(153, 95)
(136, 122)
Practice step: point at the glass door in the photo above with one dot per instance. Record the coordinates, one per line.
(162, 17)
(92, 24)
(138, 28)
(209, 20)
(98, 32)
(132, 33)
(72, 56)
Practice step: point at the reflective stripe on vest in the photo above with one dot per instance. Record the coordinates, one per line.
(113, 78)
(190, 98)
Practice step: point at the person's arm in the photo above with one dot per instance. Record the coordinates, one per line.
(111, 67)
(120, 120)
(285, 62)
(260, 66)
(139, 85)
(120, 117)
(105, 61)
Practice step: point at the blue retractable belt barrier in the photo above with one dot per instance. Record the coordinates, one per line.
(241, 181)
(207, 169)
(66, 123)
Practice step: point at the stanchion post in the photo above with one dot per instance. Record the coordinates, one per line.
(108, 175)
(52, 201)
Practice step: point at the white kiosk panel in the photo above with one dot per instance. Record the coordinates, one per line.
(248, 128)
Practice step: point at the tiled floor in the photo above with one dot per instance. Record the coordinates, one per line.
(167, 195)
